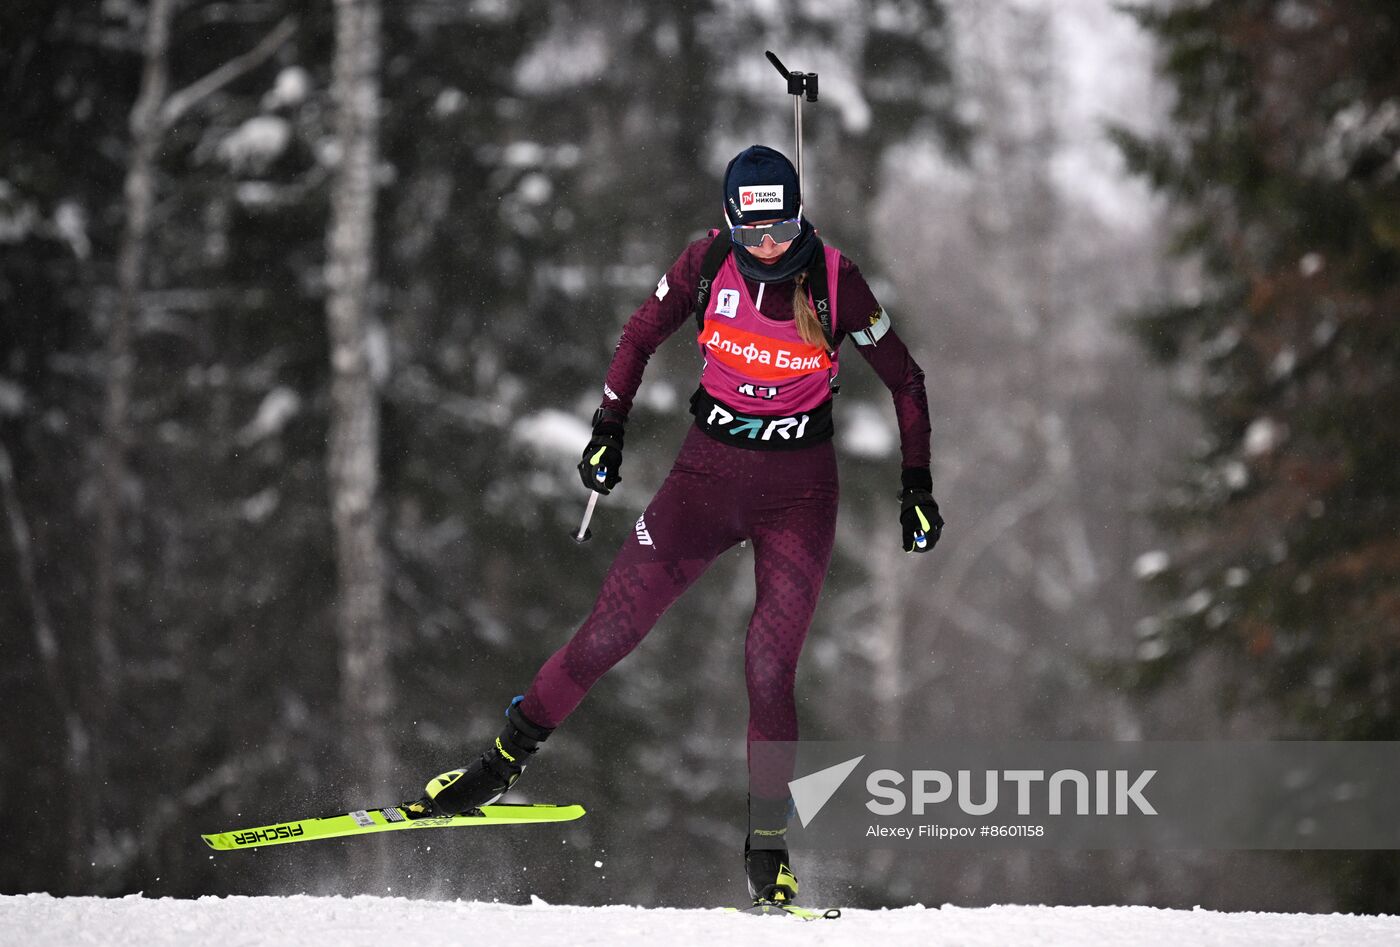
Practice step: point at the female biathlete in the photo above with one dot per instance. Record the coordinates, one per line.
(772, 305)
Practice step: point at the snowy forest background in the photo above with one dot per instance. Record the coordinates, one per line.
(304, 307)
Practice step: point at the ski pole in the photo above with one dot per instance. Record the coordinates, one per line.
(798, 84)
(584, 534)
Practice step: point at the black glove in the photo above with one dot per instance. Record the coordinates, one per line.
(603, 456)
(918, 514)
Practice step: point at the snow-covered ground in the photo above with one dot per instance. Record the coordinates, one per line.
(38, 920)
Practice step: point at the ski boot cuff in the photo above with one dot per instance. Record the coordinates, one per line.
(768, 822)
(530, 732)
(520, 738)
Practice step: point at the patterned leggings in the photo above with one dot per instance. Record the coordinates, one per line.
(715, 496)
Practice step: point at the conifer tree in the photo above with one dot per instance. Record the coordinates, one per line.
(1283, 163)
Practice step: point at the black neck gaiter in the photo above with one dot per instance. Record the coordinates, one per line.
(796, 260)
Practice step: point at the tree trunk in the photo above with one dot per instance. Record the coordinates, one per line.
(139, 191)
(98, 699)
(76, 732)
(353, 461)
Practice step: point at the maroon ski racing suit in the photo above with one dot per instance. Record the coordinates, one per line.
(720, 493)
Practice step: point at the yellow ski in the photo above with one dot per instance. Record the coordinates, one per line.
(387, 819)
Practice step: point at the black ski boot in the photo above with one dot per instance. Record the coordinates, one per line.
(486, 778)
(766, 861)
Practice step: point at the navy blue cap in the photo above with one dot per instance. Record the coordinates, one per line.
(760, 184)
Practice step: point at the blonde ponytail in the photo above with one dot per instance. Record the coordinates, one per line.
(809, 327)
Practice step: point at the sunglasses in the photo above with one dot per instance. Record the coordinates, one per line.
(752, 235)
